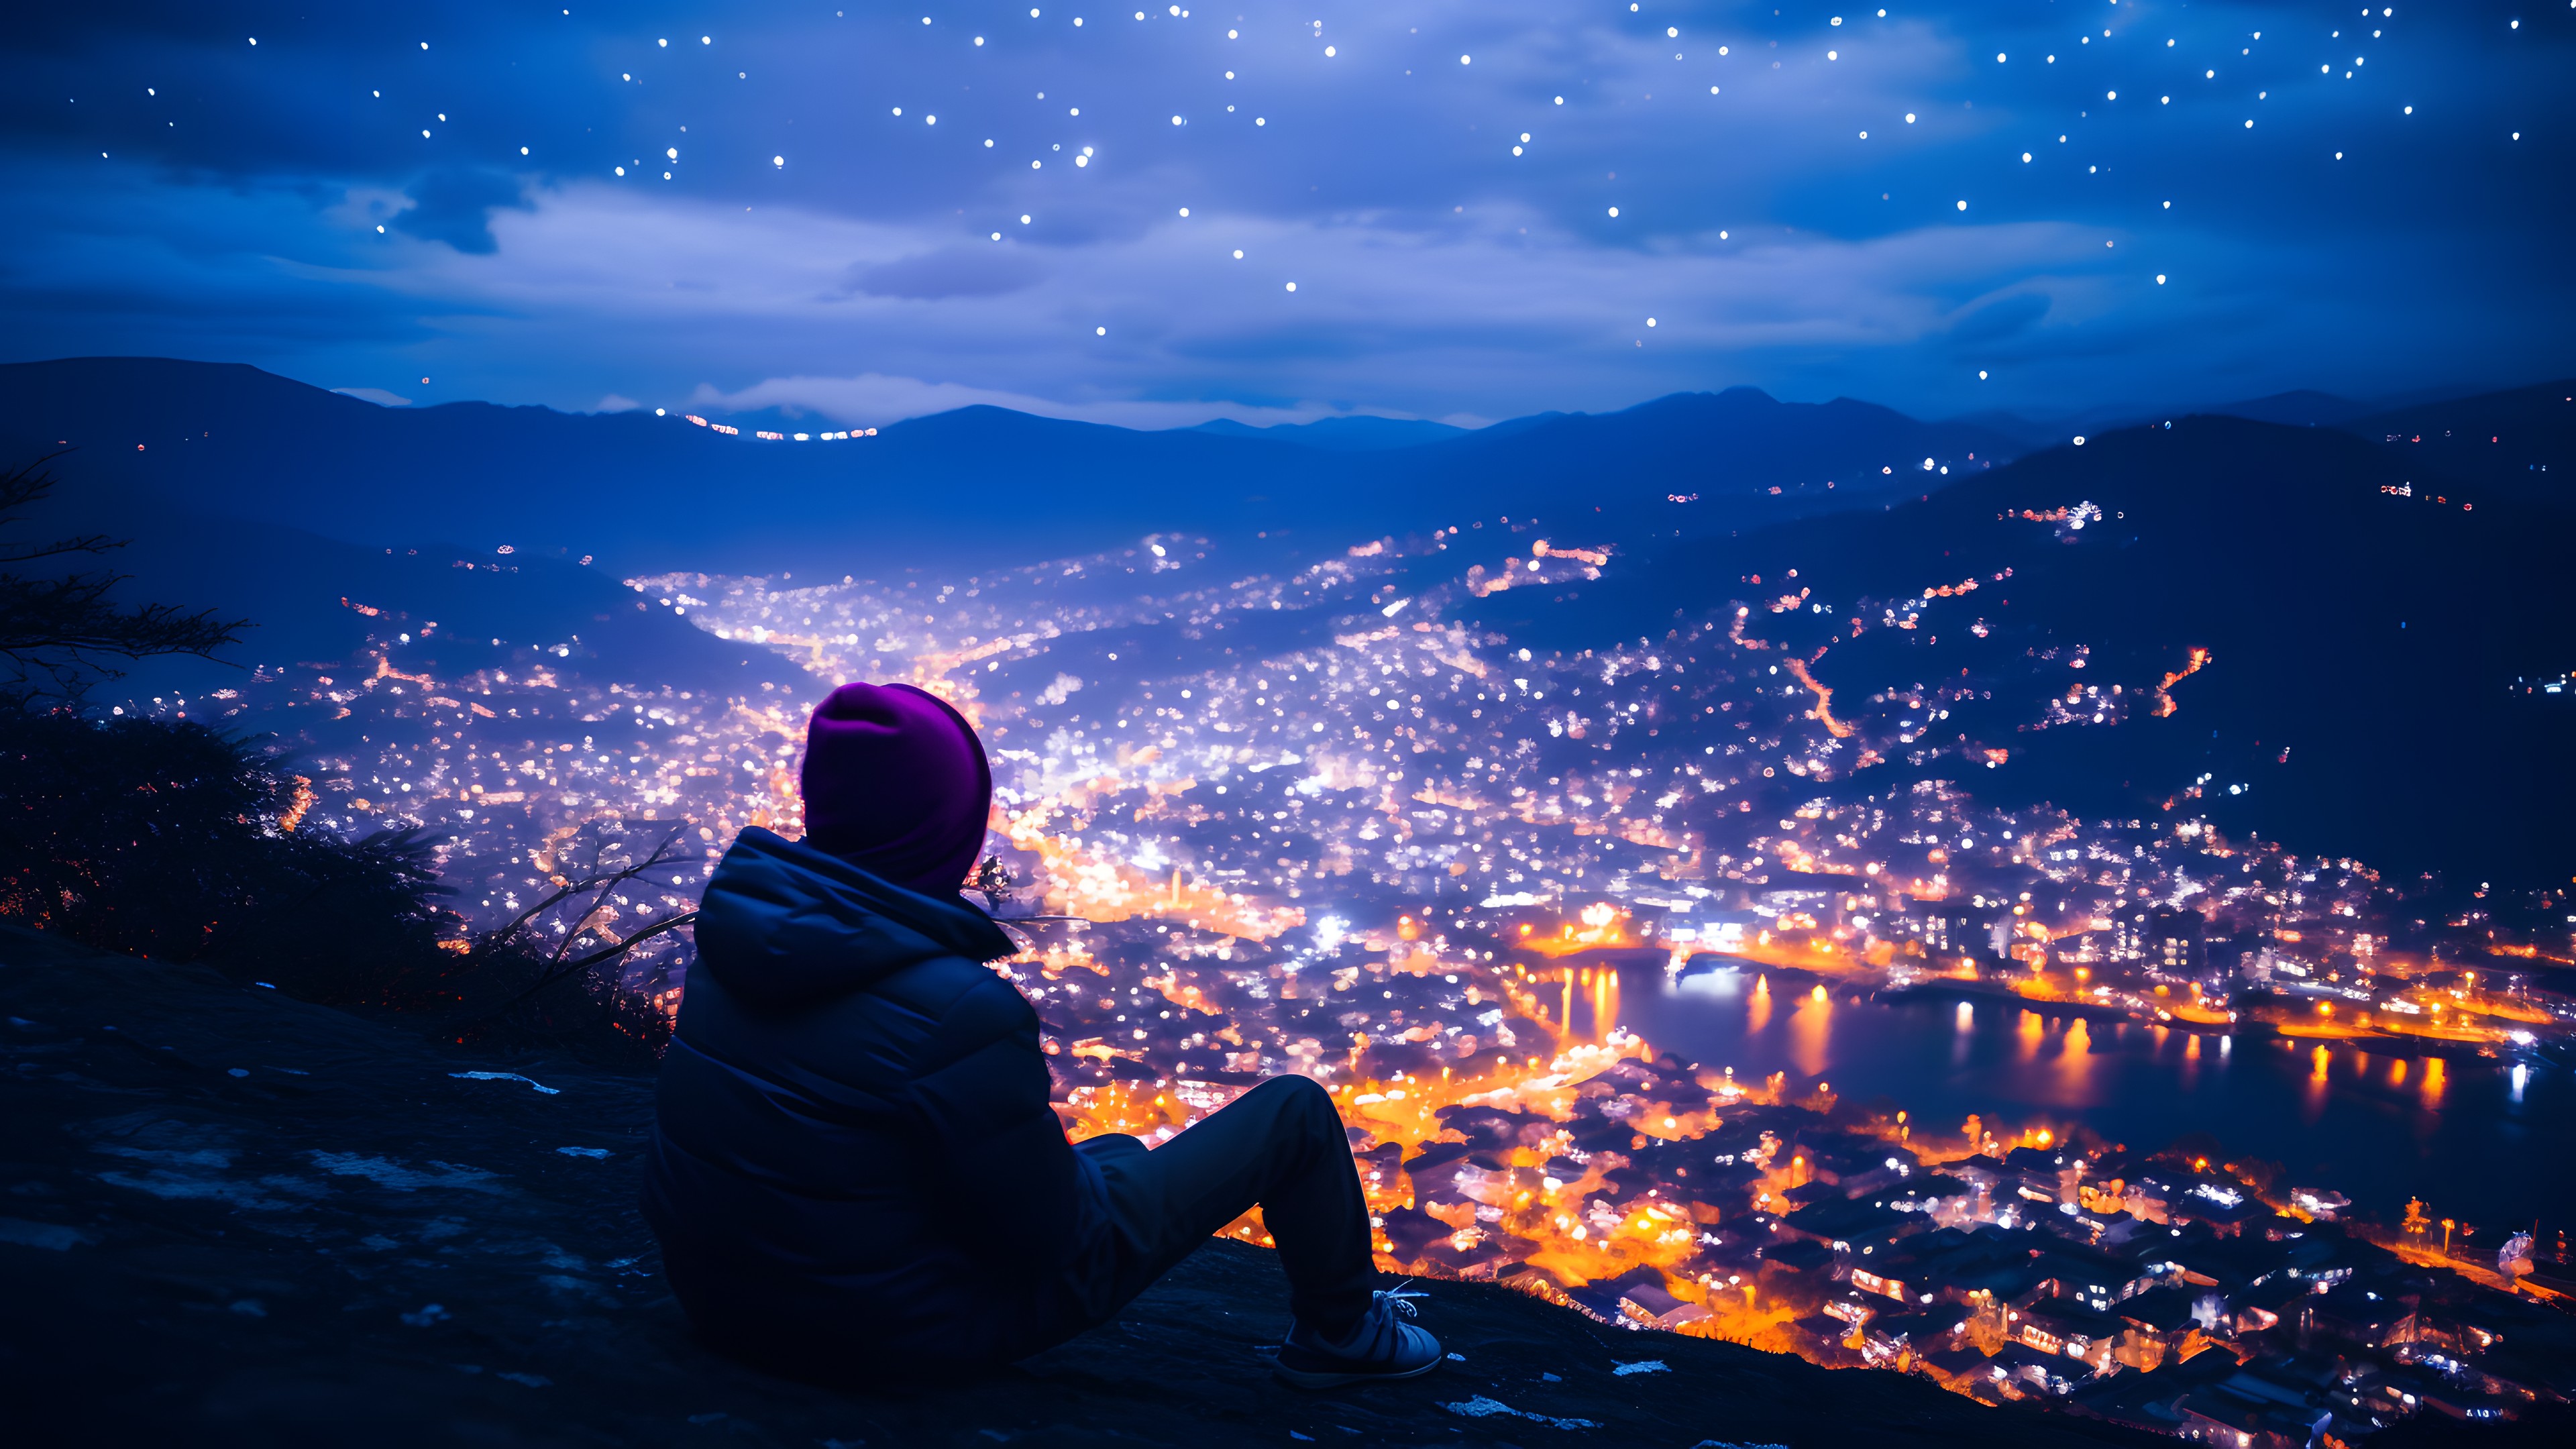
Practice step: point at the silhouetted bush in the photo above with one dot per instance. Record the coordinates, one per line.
(587, 1013)
(171, 841)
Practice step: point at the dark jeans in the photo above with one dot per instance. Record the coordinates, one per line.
(1281, 1146)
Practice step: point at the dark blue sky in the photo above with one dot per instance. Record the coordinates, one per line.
(369, 196)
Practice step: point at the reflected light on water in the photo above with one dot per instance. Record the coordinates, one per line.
(2521, 1078)
(1725, 982)
(1811, 1029)
(2350, 1113)
(2075, 1063)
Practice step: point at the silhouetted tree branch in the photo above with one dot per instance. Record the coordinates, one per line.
(56, 632)
(589, 886)
(580, 966)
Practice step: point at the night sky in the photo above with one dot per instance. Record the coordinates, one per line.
(1456, 210)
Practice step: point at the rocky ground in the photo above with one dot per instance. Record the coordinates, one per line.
(232, 1217)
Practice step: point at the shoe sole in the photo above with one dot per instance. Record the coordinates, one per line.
(1307, 1379)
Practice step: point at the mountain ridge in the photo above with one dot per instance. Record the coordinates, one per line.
(2285, 609)
(961, 488)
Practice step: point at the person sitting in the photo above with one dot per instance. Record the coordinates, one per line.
(855, 1169)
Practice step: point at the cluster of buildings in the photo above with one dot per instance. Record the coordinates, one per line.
(2156, 1289)
(1317, 819)
(2158, 1292)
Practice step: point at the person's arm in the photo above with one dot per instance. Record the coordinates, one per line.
(1007, 1172)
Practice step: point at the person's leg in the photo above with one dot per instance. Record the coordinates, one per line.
(1281, 1146)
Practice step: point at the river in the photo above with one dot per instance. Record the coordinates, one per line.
(2488, 1142)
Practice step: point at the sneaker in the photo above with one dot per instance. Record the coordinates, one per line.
(1380, 1349)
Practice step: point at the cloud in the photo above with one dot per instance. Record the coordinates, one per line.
(1447, 227)
(455, 204)
(1993, 321)
(1489, 316)
(376, 395)
(615, 403)
(967, 271)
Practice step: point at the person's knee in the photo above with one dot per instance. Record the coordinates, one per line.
(1304, 1101)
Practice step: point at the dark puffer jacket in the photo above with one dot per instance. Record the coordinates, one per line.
(855, 1164)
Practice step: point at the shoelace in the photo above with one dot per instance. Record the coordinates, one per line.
(1368, 1339)
(1398, 1298)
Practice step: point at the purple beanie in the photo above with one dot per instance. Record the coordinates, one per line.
(896, 783)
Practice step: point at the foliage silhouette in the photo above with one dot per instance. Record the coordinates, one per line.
(57, 632)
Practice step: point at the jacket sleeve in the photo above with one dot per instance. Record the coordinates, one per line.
(981, 1092)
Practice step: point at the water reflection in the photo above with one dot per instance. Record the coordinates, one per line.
(1811, 1029)
(2312, 1101)
(1726, 981)
(2377, 1126)
(2075, 1064)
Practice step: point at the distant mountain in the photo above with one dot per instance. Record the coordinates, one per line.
(2520, 443)
(313, 600)
(2301, 409)
(2387, 648)
(1356, 434)
(2022, 430)
(957, 490)
(1726, 447)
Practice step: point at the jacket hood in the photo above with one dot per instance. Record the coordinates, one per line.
(784, 924)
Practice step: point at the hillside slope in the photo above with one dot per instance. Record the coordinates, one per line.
(2520, 443)
(316, 600)
(2379, 648)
